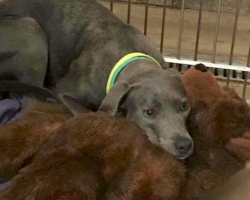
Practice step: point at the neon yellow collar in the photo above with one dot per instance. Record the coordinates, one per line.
(122, 63)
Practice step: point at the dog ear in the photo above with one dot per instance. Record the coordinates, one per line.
(72, 104)
(115, 97)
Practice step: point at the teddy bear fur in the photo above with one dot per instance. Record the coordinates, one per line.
(19, 140)
(91, 156)
(221, 133)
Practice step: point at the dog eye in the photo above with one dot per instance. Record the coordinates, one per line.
(184, 106)
(149, 113)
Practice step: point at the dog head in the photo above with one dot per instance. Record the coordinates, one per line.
(159, 105)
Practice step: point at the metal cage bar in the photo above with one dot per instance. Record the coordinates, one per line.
(146, 17)
(198, 31)
(129, 12)
(245, 85)
(248, 58)
(112, 5)
(233, 39)
(216, 32)
(246, 76)
(180, 29)
(163, 25)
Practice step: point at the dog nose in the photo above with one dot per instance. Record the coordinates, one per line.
(183, 145)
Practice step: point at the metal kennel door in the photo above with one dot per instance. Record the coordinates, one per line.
(229, 66)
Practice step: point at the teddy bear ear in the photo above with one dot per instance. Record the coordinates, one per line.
(201, 67)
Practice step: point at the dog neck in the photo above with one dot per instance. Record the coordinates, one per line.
(131, 65)
(136, 69)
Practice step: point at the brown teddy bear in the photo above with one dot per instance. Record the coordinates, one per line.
(221, 133)
(20, 139)
(90, 156)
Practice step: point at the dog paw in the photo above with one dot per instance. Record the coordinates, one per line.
(201, 67)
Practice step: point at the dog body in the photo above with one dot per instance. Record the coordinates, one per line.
(86, 40)
(23, 51)
(23, 61)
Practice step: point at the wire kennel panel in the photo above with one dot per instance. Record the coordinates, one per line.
(218, 39)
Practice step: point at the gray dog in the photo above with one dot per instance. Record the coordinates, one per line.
(23, 51)
(92, 53)
(23, 64)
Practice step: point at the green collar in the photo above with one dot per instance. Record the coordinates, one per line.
(122, 63)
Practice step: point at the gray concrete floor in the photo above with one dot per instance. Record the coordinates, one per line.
(189, 34)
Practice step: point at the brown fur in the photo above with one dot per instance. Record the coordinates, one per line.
(201, 86)
(222, 147)
(93, 156)
(20, 139)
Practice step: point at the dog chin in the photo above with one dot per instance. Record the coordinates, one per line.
(183, 157)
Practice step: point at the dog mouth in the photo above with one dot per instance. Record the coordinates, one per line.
(180, 156)
(183, 157)
(175, 153)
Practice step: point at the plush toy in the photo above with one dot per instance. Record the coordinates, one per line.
(220, 127)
